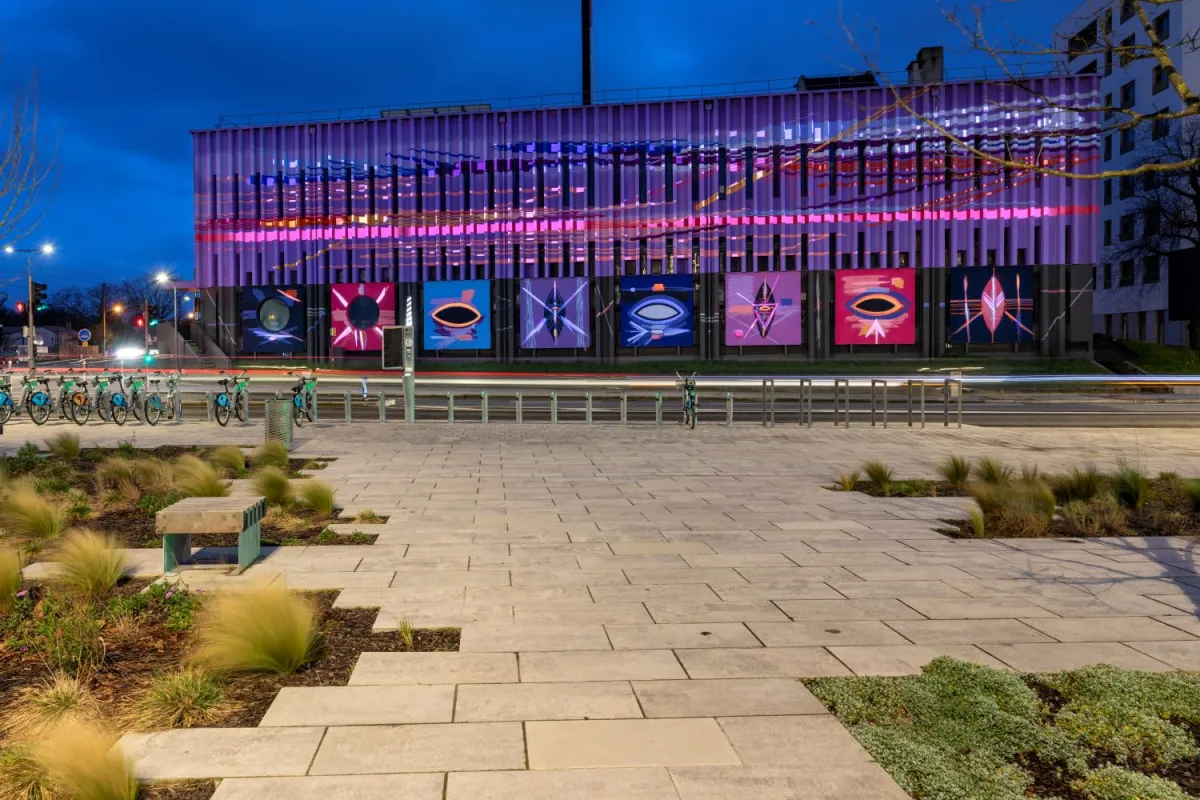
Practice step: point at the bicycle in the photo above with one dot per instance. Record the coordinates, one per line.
(302, 397)
(66, 386)
(227, 402)
(34, 400)
(112, 405)
(136, 382)
(154, 407)
(688, 385)
(78, 401)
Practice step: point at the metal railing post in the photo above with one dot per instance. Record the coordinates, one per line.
(587, 407)
(177, 403)
(873, 382)
(945, 402)
(450, 407)
(483, 407)
(246, 405)
(960, 394)
(624, 407)
(316, 416)
(885, 403)
(772, 395)
(382, 407)
(837, 389)
(764, 403)
(520, 409)
(658, 408)
(349, 412)
(554, 408)
(729, 409)
(922, 404)
(909, 384)
(208, 410)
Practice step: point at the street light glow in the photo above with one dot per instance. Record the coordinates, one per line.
(118, 308)
(163, 277)
(47, 249)
(9, 249)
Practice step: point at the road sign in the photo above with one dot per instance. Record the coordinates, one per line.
(85, 335)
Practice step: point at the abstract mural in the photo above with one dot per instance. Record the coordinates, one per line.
(554, 312)
(991, 304)
(457, 315)
(360, 310)
(875, 306)
(656, 311)
(762, 308)
(273, 319)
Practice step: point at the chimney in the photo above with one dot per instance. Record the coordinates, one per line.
(928, 67)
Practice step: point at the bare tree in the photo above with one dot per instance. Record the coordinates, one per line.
(137, 292)
(1016, 59)
(26, 175)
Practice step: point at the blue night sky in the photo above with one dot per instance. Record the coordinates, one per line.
(123, 81)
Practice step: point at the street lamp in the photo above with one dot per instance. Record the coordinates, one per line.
(164, 278)
(45, 250)
(117, 308)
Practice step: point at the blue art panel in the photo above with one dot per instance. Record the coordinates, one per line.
(457, 315)
(656, 311)
(991, 304)
(554, 312)
(273, 319)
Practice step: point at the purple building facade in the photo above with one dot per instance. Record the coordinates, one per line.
(807, 181)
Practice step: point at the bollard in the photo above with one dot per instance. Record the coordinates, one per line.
(729, 409)
(382, 407)
(658, 408)
(450, 407)
(554, 408)
(772, 400)
(945, 402)
(624, 407)
(922, 404)
(587, 407)
(349, 411)
(177, 408)
(246, 407)
(847, 423)
(960, 394)
(909, 384)
(483, 407)
(873, 381)
(520, 409)
(764, 403)
(806, 394)
(316, 416)
(885, 404)
(208, 412)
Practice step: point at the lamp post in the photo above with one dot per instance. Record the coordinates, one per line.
(116, 309)
(46, 249)
(164, 278)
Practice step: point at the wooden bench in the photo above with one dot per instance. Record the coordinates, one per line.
(178, 521)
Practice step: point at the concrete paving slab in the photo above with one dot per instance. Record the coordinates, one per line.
(645, 783)
(399, 669)
(681, 592)
(745, 611)
(810, 782)
(359, 705)
(342, 787)
(893, 589)
(618, 665)
(684, 635)
(726, 698)
(764, 662)
(221, 752)
(953, 631)
(503, 702)
(714, 575)
(815, 634)
(627, 743)
(580, 614)
(906, 659)
(1108, 629)
(531, 638)
(841, 610)
(1180, 655)
(368, 749)
(787, 740)
(1054, 657)
(981, 608)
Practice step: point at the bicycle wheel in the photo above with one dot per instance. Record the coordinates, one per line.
(239, 406)
(103, 408)
(40, 412)
(120, 413)
(6, 409)
(692, 417)
(297, 411)
(135, 405)
(81, 409)
(221, 409)
(153, 409)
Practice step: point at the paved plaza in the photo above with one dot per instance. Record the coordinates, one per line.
(637, 604)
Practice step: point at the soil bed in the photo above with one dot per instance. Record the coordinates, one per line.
(181, 790)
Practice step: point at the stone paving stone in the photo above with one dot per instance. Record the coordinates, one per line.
(787, 740)
(343, 787)
(547, 561)
(906, 659)
(794, 574)
(531, 638)
(569, 577)
(368, 749)
(508, 595)
(221, 752)
(518, 702)
(737, 560)
(814, 559)
(475, 549)
(1180, 655)
(764, 662)
(815, 634)
(680, 592)
(447, 616)
(626, 743)
(580, 614)
(839, 610)
(314, 581)
(714, 575)
(748, 611)
(397, 669)
(450, 579)
(663, 561)
(953, 631)
(726, 698)
(1107, 629)
(399, 595)
(593, 548)
(1062, 656)
(776, 591)
(658, 548)
(619, 665)
(1187, 624)
(1109, 604)
(894, 589)
(671, 637)
(644, 783)
(977, 608)
(809, 782)
(937, 572)
(360, 705)
(373, 563)
(1019, 588)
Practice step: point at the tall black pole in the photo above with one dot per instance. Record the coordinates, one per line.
(586, 21)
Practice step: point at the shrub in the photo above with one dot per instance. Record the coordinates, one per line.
(26, 460)
(328, 536)
(126, 450)
(66, 636)
(1191, 492)
(368, 517)
(195, 478)
(1030, 472)
(407, 635)
(257, 630)
(89, 563)
(1132, 487)
(976, 522)
(316, 495)
(272, 453)
(1116, 783)
(78, 506)
(1018, 509)
(1101, 516)
(41, 708)
(848, 480)
(183, 698)
(1079, 484)
(22, 776)
(153, 475)
(52, 484)
(64, 445)
(272, 484)
(955, 471)
(153, 503)
(229, 458)
(992, 470)
(10, 579)
(879, 474)
(27, 515)
(116, 475)
(83, 764)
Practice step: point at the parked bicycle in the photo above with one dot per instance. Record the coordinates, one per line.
(688, 385)
(137, 394)
(79, 404)
(66, 389)
(302, 396)
(155, 407)
(231, 401)
(7, 407)
(35, 398)
(112, 404)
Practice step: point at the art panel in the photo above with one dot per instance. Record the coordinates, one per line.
(360, 310)
(991, 304)
(273, 319)
(554, 312)
(875, 306)
(458, 315)
(763, 308)
(656, 311)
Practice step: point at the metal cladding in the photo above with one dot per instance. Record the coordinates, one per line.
(794, 181)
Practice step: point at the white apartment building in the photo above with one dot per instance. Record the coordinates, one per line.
(1130, 300)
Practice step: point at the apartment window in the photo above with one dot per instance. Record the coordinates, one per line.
(1126, 186)
(1083, 41)
(1088, 69)
(1125, 273)
(1128, 140)
(1108, 276)
(960, 258)
(1160, 128)
(1107, 20)
(1108, 147)
(1152, 222)
(1108, 191)
(1129, 95)
(1108, 59)
(1160, 80)
(1107, 232)
(903, 258)
(991, 257)
(1150, 269)
(1126, 50)
(1162, 26)
(1108, 114)
(1150, 180)
(1126, 10)
(1128, 224)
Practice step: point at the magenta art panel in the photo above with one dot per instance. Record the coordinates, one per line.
(875, 306)
(360, 310)
(762, 308)
(991, 304)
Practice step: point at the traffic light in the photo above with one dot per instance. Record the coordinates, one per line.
(152, 312)
(38, 297)
(139, 322)
(20, 307)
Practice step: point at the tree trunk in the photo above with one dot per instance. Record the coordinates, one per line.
(1193, 329)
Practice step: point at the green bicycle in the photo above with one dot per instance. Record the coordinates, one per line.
(688, 385)
(231, 401)
(302, 397)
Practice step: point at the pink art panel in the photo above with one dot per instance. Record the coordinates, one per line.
(875, 306)
(360, 311)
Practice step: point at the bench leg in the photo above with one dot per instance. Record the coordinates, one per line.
(249, 547)
(177, 551)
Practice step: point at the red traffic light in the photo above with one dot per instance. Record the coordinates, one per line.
(20, 307)
(138, 321)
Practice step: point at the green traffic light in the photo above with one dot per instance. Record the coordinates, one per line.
(41, 307)
(148, 359)
(153, 322)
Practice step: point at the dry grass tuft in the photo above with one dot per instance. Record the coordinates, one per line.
(274, 485)
(115, 474)
(25, 514)
(407, 634)
(956, 471)
(64, 445)
(181, 699)
(229, 458)
(196, 478)
(264, 629)
(316, 495)
(10, 578)
(846, 481)
(22, 777)
(272, 454)
(41, 708)
(89, 563)
(154, 476)
(83, 764)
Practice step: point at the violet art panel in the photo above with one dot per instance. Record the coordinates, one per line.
(875, 306)
(360, 312)
(991, 304)
(458, 315)
(555, 312)
(273, 319)
(656, 311)
(763, 308)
